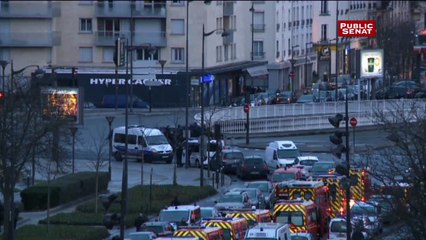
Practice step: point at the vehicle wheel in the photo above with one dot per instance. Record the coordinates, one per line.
(118, 157)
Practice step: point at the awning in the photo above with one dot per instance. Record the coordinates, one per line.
(257, 71)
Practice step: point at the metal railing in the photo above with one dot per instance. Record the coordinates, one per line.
(294, 117)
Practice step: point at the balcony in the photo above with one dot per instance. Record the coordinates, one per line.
(258, 55)
(29, 9)
(228, 9)
(123, 9)
(107, 38)
(30, 39)
(258, 27)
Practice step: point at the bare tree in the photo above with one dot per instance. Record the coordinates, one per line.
(402, 167)
(98, 143)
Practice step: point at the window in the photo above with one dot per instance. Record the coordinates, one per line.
(108, 55)
(148, 54)
(177, 3)
(177, 55)
(259, 21)
(225, 54)
(86, 54)
(86, 25)
(258, 49)
(219, 54)
(178, 26)
(109, 27)
(234, 51)
(85, 2)
(323, 32)
(324, 7)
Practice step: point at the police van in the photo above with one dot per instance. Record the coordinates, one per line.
(271, 231)
(149, 141)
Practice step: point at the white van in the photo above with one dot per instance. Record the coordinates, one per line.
(150, 141)
(194, 149)
(271, 231)
(337, 229)
(281, 154)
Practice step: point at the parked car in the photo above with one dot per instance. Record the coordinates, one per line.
(159, 228)
(284, 97)
(255, 195)
(231, 159)
(322, 168)
(267, 189)
(308, 98)
(252, 166)
(306, 163)
(232, 201)
(369, 215)
(285, 174)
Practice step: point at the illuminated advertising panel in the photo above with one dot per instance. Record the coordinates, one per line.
(372, 63)
(60, 103)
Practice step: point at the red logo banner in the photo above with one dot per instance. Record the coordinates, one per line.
(357, 28)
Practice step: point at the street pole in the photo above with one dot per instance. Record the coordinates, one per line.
(116, 87)
(348, 166)
(73, 132)
(353, 140)
(202, 112)
(337, 50)
(252, 30)
(126, 147)
(187, 88)
(110, 119)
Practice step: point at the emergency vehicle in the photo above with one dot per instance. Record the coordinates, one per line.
(253, 216)
(181, 215)
(337, 194)
(361, 190)
(202, 233)
(270, 231)
(303, 216)
(314, 191)
(233, 228)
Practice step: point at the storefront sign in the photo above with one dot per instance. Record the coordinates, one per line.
(371, 63)
(122, 81)
(357, 28)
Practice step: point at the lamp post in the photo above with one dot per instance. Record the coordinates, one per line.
(202, 102)
(187, 85)
(110, 119)
(162, 63)
(337, 49)
(252, 30)
(306, 63)
(3, 65)
(292, 73)
(73, 132)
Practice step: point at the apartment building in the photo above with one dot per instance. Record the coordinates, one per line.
(60, 36)
(293, 51)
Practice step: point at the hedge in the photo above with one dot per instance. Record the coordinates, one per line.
(63, 190)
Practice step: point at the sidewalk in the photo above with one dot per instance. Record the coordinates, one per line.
(161, 174)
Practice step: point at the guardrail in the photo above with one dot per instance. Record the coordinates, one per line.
(294, 117)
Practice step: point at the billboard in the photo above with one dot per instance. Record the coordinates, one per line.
(61, 103)
(371, 63)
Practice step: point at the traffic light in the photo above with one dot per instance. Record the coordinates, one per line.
(2, 96)
(336, 138)
(119, 52)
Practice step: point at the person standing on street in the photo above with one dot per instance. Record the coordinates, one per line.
(179, 146)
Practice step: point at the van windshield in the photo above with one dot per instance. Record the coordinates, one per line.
(156, 140)
(174, 215)
(288, 153)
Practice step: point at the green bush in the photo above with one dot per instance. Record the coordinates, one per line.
(62, 190)
(68, 232)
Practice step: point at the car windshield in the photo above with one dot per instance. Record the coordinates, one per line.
(236, 198)
(322, 167)
(279, 177)
(253, 160)
(363, 210)
(156, 140)
(174, 215)
(155, 229)
(261, 186)
(296, 218)
(233, 155)
(206, 213)
(307, 162)
(288, 153)
(338, 226)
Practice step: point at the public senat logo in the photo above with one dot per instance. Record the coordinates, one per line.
(357, 28)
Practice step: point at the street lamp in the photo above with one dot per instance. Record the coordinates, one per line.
(292, 73)
(110, 119)
(224, 34)
(252, 30)
(3, 65)
(73, 132)
(187, 87)
(306, 63)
